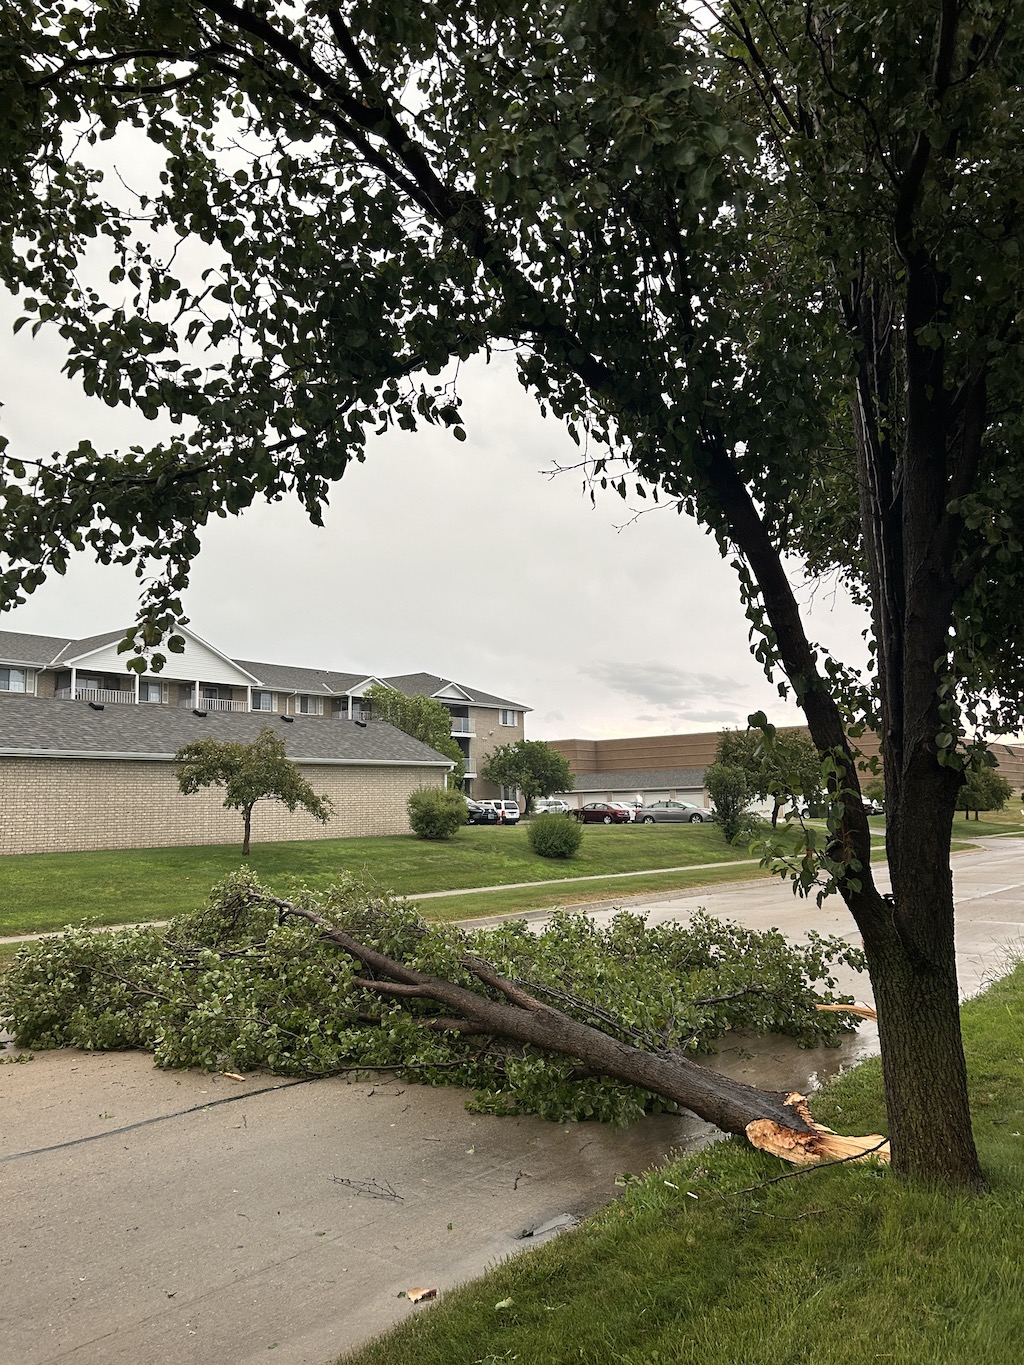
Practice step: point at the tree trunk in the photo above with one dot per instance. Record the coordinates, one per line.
(772, 1120)
(247, 830)
(912, 963)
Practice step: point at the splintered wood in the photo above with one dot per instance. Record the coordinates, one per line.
(816, 1147)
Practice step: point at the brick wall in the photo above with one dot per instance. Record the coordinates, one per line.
(63, 805)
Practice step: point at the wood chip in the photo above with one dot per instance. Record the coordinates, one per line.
(417, 1294)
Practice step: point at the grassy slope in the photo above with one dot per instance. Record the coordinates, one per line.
(842, 1266)
(39, 892)
(43, 892)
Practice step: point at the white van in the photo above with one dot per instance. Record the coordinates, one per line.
(508, 811)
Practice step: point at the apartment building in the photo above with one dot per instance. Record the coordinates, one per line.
(86, 746)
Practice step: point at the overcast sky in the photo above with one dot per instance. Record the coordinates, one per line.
(470, 560)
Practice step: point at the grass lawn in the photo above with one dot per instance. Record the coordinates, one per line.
(1008, 821)
(701, 1262)
(41, 892)
(44, 891)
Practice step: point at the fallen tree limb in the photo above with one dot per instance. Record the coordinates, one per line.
(774, 1121)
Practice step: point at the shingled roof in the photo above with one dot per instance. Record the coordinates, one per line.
(637, 779)
(429, 684)
(34, 727)
(48, 651)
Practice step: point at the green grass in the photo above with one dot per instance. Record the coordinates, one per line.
(41, 892)
(44, 891)
(524, 899)
(840, 1266)
(1009, 821)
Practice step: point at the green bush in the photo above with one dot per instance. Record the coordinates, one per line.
(555, 835)
(730, 793)
(435, 813)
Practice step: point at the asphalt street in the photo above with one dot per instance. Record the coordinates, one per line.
(191, 1219)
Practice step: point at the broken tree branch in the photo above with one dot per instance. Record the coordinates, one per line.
(774, 1121)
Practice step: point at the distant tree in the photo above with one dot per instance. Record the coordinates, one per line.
(425, 718)
(778, 763)
(729, 789)
(260, 771)
(531, 766)
(983, 790)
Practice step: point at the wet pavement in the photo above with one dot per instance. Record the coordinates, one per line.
(187, 1219)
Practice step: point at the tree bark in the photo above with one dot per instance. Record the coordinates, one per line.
(775, 1121)
(246, 830)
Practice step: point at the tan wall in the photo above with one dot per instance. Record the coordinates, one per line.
(45, 683)
(63, 805)
(489, 735)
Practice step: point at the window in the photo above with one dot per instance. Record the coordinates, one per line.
(508, 717)
(211, 692)
(152, 691)
(13, 680)
(309, 706)
(262, 701)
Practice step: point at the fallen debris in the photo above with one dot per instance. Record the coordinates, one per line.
(418, 1295)
(373, 1189)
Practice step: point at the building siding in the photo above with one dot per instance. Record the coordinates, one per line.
(490, 735)
(73, 805)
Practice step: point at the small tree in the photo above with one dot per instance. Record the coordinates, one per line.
(260, 771)
(435, 813)
(778, 763)
(531, 766)
(983, 790)
(425, 718)
(730, 791)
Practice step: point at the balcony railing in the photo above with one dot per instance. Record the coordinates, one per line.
(213, 704)
(462, 725)
(97, 694)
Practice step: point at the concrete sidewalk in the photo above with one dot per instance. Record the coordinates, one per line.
(189, 1219)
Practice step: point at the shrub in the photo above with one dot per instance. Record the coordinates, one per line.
(435, 813)
(555, 835)
(729, 790)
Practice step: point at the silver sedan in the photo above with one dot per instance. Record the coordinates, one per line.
(676, 812)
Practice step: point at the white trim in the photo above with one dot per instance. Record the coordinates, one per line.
(179, 630)
(451, 686)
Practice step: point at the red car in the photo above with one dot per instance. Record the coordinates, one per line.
(602, 812)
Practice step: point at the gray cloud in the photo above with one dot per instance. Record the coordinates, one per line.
(660, 685)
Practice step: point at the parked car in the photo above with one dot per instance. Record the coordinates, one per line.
(627, 806)
(551, 803)
(479, 814)
(603, 812)
(507, 812)
(676, 812)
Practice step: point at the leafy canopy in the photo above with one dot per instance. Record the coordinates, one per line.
(983, 790)
(781, 764)
(425, 718)
(260, 771)
(531, 766)
(229, 987)
(676, 222)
